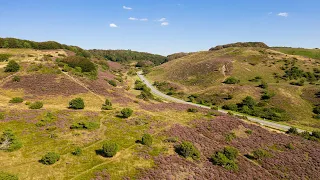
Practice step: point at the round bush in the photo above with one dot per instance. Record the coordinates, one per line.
(50, 158)
(16, 100)
(12, 66)
(126, 112)
(36, 105)
(76, 103)
(146, 140)
(230, 152)
(187, 149)
(110, 149)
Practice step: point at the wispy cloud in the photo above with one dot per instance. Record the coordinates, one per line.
(162, 19)
(144, 19)
(113, 25)
(270, 13)
(133, 19)
(283, 14)
(127, 8)
(164, 24)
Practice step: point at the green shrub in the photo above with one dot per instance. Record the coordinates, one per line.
(146, 140)
(193, 110)
(50, 158)
(187, 149)
(231, 107)
(231, 80)
(36, 105)
(263, 85)
(230, 152)
(289, 146)
(260, 154)
(226, 158)
(7, 176)
(110, 149)
(85, 125)
(75, 61)
(248, 132)
(16, 100)
(126, 112)
(107, 105)
(293, 130)
(4, 57)
(77, 151)
(112, 83)
(76, 103)
(16, 79)
(9, 141)
(230, 136)
(249, 101)
(12, 66)
(316, 110)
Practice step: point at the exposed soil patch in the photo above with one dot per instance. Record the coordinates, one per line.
(46, 85)
(302, 162)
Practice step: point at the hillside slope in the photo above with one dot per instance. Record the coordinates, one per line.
(291, 81)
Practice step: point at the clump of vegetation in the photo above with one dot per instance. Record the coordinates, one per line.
(36, 105)
(231, 80)
(248, 131)
(187, 149)
(263, 85)
(240, 44)
(4, 57)
(166, 87)
(7, 176)
(9, 142)
(16, 79)
(230, 136)
(293, 130)
(107, 105)
(146, 140)
(12, 66)
(126, 112)
(193, 110)
(48, 118)
(145, 91)
(50, 158)
(298, 83)
(109, 149)
(112, 83)
(314, 136)
(251, 107)
(76, 103)
(256, 79)
(259, 154)
(76, 61)
(85, 125)
(16, 100)
(289, 146)
(226, 158)
(77, 152)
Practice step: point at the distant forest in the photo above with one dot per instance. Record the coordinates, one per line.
(128, 55)
(19, 43)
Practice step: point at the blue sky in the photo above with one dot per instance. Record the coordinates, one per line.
(162, 26)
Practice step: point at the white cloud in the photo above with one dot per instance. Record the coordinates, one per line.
(162, 19)
(132, 19)
(283, 14)
(144, 19)
(164, 24)
(127, 8)
(113, 25)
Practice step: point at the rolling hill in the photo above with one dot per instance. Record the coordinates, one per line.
(227, 74)
(66, 116)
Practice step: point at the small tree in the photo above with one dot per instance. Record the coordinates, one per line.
(12, 66)
(9, 142)
(110, 149)
(76, 103)
(107, 105)
(50, 158)
(249, 101)
(187, 149)
(126, 112)
(146, 140)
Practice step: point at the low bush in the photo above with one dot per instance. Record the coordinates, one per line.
(7, 176)
(76, 103)
(77, 152)
(226, 158)
(9, 142)
(230, 136)
(193, 110)
(187, 149)
(85, 125)
(126, 112)
(36, 105)
(4, 57)
(263, 85)
(292, 130)
(76, 61)
(146, 140)
(12, 66)
(112, 83)
(50, 158)
(248, 132)
(16, 79)
(16, 100)
(289, 146)
(110, 149)
(231, 80)
(260, 154)
(107, 105)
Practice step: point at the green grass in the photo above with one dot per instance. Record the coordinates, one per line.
(309, 53)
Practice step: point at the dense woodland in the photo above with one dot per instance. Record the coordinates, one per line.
(19, 43)
(128, 55)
